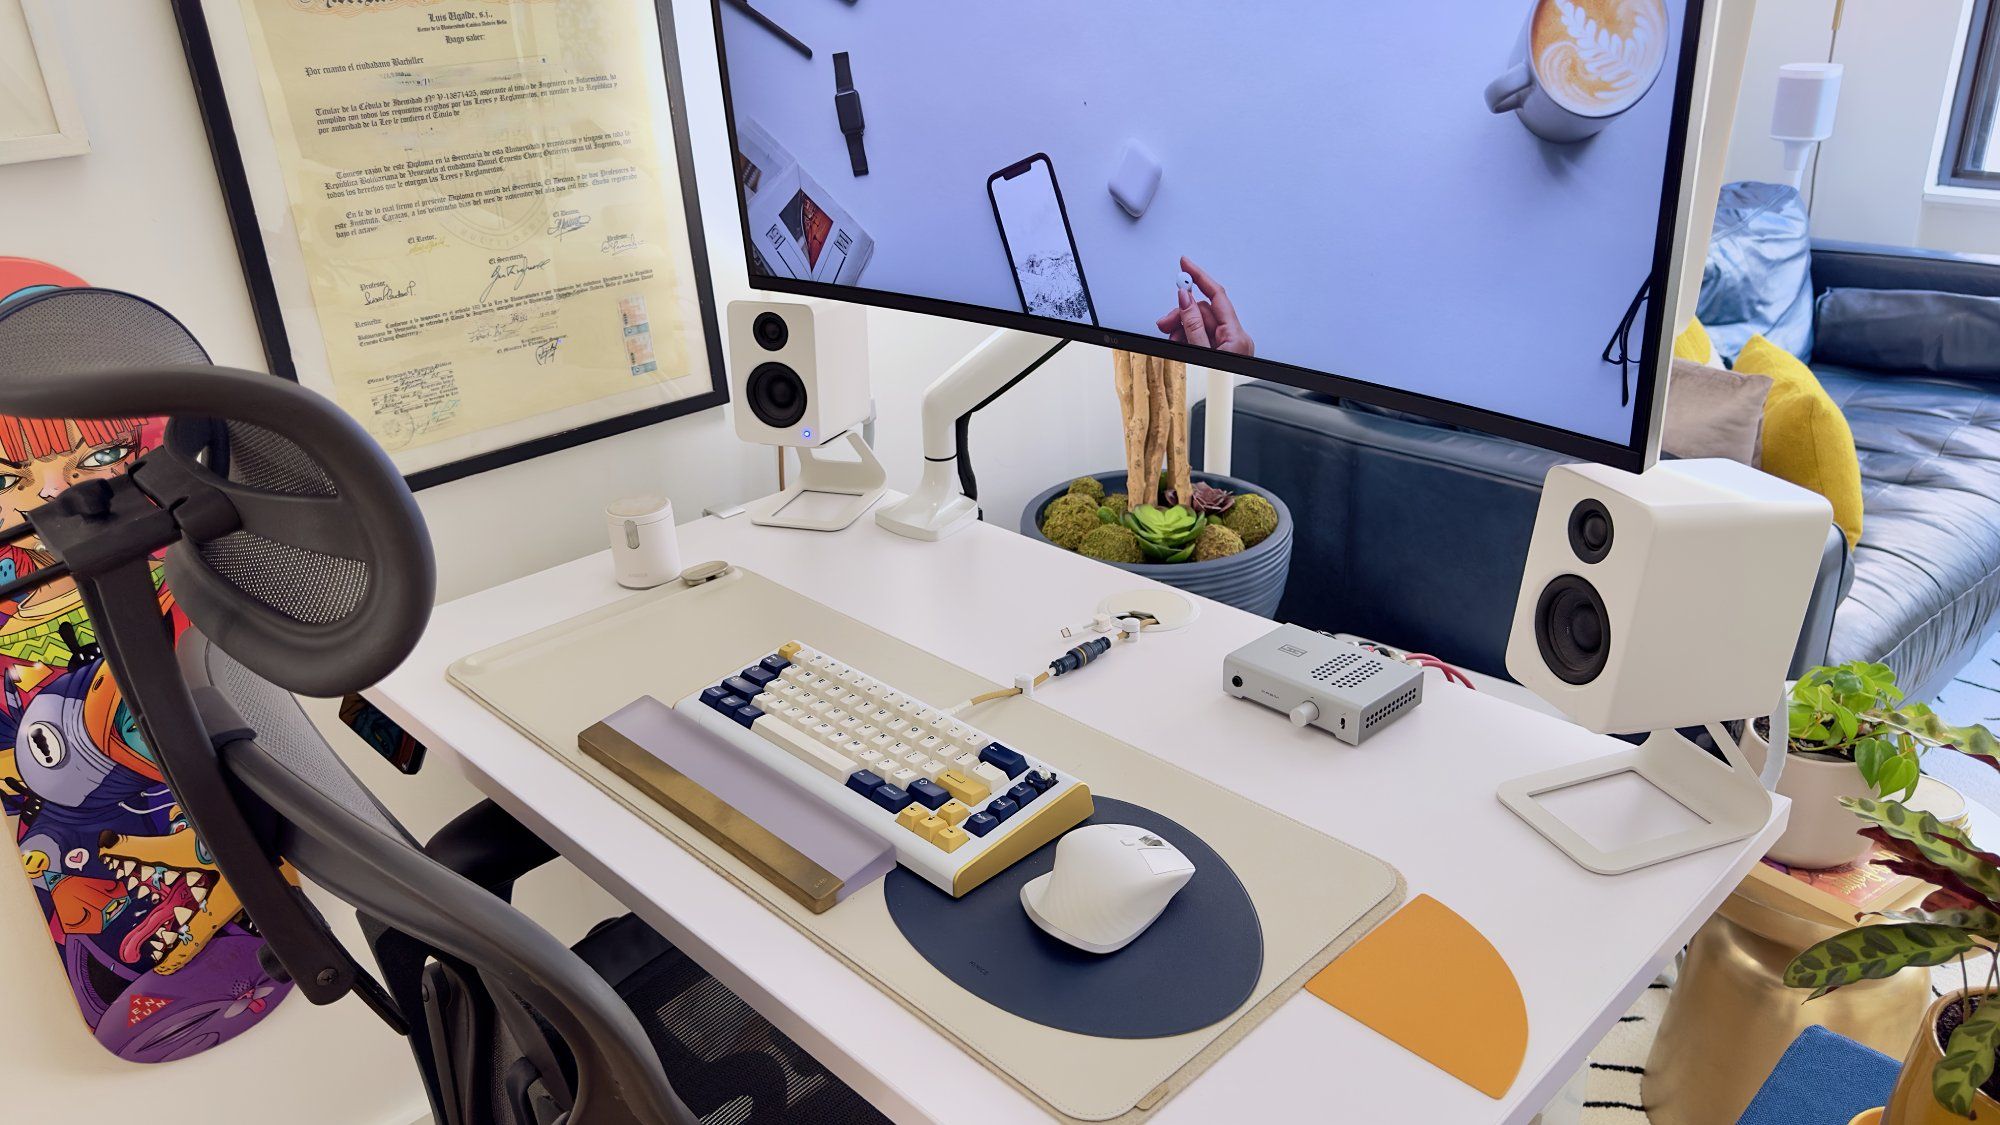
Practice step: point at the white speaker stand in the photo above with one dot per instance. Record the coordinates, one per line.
(825, 494)
(1731, 800)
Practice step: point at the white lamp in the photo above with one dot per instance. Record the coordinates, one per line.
(1802, 115)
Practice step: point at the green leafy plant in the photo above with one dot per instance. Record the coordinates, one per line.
(1962, 916)
(1856, 712)
(1166, 534)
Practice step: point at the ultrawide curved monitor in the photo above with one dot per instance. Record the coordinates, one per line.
(1458, 209)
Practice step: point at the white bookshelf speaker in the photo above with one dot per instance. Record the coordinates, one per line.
(798, 376)
(1660, 601)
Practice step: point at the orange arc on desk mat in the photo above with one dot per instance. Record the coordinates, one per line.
(1396, 982)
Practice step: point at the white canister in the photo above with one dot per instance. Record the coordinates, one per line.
(645, 550)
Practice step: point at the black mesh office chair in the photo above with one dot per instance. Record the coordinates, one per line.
(300, 558)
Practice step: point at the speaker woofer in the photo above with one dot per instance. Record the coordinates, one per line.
(1590, 531)
(776, 395)
(1573, 630)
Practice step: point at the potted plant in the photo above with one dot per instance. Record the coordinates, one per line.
(1852, 735)
(1948, 1071)
(1205, 533)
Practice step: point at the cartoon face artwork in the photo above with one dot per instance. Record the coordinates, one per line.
(154, 941)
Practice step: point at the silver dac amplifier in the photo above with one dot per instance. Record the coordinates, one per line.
(1320, 681)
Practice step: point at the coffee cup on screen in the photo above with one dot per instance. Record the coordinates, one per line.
(1581, 63)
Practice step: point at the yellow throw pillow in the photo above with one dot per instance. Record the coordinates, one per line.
(1694, 345)
(1806, 438)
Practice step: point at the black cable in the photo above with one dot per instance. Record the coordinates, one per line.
(962, 428)
(1619, 350)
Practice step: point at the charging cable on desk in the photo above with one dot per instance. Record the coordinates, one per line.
(1123, 628)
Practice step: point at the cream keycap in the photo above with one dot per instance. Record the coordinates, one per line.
(804, 747)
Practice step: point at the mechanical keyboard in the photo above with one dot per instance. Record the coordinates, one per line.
(957, 805)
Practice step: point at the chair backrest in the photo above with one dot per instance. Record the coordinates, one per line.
(302, 562)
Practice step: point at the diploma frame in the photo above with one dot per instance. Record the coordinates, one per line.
(69, 137)
(227, 90)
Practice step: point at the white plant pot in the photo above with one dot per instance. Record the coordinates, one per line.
(1821, 833)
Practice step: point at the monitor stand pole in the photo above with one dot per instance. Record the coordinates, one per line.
(937, 508)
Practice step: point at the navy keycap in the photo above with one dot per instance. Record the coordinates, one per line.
(1042, 780)
(759, 675)
(928, 793)
(746, 714)
(891, 797)
(743, 687)
(864, 782)
(729, 703)
(1002, 808)
(979, 823)
(1006, 759)
(713, 696)
(1023, 794)
(775, 663)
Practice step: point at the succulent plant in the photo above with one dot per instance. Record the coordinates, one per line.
(1216, 542)
(1166, 534)
(1087, 486)
(1068, 520)
(1253, 518)
(1116, 503)
(1210, 500)
(1111, 542)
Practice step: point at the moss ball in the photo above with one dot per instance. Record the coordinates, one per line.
(1252, 518)
(1087, 486)
(1119, 503)
(1068, 519)
(1217, 542)
(1112, 543)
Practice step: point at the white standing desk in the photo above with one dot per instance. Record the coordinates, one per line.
(1582, 945)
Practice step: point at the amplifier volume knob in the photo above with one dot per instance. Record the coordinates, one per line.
(1305, 714)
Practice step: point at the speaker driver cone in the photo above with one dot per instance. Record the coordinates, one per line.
(1573, 630)
(775, 395)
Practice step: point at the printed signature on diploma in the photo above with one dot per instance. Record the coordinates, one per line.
(376, 292)
(563, 222)
(619, 243)
(545, 352)
(516, 267)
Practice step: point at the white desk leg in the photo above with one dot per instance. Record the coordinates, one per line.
(1567, 1106)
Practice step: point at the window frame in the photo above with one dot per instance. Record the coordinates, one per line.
(1975, 104)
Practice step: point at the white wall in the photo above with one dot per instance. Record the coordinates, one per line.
(1874, 173)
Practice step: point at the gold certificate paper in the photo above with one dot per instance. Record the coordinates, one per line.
(488, 214)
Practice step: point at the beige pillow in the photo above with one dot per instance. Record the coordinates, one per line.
(1715, 413)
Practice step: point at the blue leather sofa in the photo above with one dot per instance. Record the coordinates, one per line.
(1417, 533)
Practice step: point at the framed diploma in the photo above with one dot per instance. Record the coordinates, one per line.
(471, 223)
(38, 114)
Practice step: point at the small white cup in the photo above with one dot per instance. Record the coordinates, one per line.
(1520, 90)
(645, 548)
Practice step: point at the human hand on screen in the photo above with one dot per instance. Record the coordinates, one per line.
(1213, 315)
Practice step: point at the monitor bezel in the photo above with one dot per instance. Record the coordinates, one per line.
(1637, 454)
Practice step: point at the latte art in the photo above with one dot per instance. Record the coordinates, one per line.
(1598, 56)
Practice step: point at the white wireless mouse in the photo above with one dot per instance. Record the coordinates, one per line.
(1110, 882)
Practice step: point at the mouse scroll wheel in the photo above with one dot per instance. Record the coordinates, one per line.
(1151, 841)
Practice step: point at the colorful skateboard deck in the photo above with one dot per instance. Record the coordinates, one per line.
(157, 948)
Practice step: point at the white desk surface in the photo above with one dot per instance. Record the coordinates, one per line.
(1583, 946)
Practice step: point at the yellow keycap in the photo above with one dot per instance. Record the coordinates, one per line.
(951, 839)
(913, 816)
(971, 790)
(953, 812)
(933, 825)
(789, 649)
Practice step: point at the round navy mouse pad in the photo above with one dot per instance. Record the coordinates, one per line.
(1196, 964)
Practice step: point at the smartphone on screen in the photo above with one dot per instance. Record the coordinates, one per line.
(1041, 250)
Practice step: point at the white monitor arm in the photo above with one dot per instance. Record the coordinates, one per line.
(938, 508)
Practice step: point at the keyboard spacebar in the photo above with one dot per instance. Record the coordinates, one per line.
(804, 747)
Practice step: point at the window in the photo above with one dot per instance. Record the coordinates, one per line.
(1972, 138)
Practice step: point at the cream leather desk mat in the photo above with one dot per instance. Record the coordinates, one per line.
(1315, 895)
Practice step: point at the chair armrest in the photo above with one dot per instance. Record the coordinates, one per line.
(486, 845)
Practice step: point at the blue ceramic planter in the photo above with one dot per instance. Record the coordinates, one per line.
(1253, 580)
